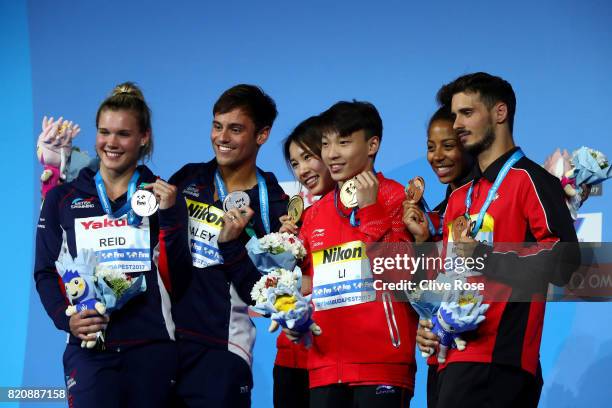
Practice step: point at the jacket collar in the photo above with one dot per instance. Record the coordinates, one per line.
(491, 172)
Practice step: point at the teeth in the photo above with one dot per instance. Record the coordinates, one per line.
(311, 181)
(225, 149)
(113, 155)
(443, 170)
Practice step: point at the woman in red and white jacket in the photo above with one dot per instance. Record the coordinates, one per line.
(302, 150)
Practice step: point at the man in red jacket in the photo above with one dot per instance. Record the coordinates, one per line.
(511, 200)
(365, 354)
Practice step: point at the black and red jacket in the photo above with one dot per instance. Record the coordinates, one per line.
(529, 207)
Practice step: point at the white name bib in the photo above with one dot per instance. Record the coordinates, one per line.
(342, 276)
(117, 244)
(205, 222)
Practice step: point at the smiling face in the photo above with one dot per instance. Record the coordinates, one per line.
(347, 156)
(75, 288)
(310, 170)
(444, 151)
(474, 123)
(119, 140)
(234, 138)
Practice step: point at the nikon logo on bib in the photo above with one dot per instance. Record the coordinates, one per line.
(205, 222)
(342, 276)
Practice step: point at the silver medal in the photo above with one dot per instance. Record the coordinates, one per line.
(236, 199)
(144, 203)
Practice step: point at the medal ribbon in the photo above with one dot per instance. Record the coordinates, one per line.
(432, 229)
(263, 197)
(353, 217)
(491, 194)
(133, 219)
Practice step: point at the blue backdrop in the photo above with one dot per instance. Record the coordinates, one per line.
(63, 57)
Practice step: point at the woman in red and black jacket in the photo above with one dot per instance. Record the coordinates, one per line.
(454, 167)
(302, 150)
(138, 363)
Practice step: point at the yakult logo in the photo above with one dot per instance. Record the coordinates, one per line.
(121, 222)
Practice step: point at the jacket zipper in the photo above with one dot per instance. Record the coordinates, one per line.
(391, 322)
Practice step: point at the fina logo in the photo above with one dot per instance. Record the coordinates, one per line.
(80, 203)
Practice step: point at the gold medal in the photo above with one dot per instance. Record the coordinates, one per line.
(348, 194)
(415, 189)
(459, 226)
(295, 208)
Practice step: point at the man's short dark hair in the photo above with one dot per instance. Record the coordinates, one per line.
(258, 105)
(349, 117)
(491, 89)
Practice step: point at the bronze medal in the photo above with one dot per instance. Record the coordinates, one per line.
(348, 194)
(415, 189)
(459, 226)
(295, 208)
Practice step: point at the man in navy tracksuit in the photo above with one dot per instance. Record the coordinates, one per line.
(140, 352)
(211, 294)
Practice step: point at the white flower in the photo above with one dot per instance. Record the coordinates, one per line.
(601, 158)
(277, 277)
(109, 274)
(277, 243)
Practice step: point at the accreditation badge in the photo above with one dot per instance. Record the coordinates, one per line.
(205, 223)
(342, 276)
(118, 245)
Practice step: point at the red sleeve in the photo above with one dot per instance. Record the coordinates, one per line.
(305, 231)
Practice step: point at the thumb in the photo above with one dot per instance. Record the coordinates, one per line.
(315, 329)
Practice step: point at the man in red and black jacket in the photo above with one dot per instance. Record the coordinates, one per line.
(511, 200)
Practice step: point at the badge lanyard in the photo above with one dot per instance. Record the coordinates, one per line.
(492, 192)
(133, 219)
(353, 217)
(432, 229)
(263, 197)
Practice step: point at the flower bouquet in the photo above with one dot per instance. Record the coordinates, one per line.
(275, 250)
(277, 294)
(117, 288)
(586, 167)
(451, 312)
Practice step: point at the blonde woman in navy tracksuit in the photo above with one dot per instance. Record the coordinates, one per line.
(138, 365)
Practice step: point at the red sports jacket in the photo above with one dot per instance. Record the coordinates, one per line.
(356, 345)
